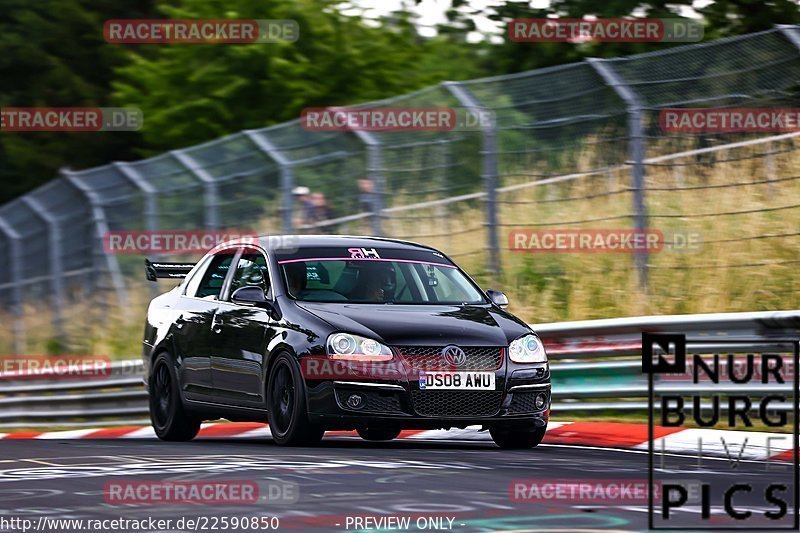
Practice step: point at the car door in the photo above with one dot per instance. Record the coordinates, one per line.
(193, 325)
(242, 335)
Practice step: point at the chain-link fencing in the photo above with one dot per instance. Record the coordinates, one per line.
(577, 147)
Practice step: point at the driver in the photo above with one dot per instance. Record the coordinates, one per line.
(379, 283)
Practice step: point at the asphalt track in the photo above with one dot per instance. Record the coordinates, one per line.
(343, 478)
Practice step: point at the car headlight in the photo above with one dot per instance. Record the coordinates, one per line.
(527, 349)
(354, 348)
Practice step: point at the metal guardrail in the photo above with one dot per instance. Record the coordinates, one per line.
(618, 337)
(596, 368)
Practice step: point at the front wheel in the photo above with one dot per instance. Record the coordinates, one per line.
(170, 420)
(517, 439)
(286, 405)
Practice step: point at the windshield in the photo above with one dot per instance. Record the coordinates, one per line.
(371, 281)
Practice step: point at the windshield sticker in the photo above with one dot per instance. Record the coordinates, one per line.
(363, 253)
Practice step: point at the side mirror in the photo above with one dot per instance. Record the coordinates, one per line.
(498, 298)
(249, 296)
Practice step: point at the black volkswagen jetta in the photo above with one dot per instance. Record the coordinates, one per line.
(316, 333)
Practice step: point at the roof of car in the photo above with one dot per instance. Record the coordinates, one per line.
(273, 242)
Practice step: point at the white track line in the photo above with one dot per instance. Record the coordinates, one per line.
(146, 432)
(69, 434)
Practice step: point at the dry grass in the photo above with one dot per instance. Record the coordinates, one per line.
(95, 326)
(757, 273)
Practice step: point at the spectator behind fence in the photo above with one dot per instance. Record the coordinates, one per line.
(320, 211)
(305, 214)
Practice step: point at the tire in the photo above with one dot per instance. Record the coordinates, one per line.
(378, 433)
(170, 420)
(515, 439)
(286, 405)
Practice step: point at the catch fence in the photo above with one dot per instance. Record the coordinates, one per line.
(576, 146)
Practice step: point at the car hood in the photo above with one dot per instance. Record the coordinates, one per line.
(421, 325)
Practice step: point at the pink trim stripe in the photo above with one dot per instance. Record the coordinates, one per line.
(364, 259)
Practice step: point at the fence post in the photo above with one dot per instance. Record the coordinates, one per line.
(444, 160)
(635, 155)
(287, 177)
(56, 267)
(791, 32)
(101, 226)
(375, 174)
(211, 195)
(150, 204)
(489, 172)
(15, 239)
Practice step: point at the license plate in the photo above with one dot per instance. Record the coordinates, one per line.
(456, 380)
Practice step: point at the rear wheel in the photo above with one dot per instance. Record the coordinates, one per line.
(379, 433)
(517, 439)
(286, 405)
(170, 420)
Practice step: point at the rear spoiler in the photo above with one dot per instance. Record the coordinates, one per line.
(155, 271)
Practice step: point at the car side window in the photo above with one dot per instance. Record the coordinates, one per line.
(211, 283)
(193, 281)
(251, 271)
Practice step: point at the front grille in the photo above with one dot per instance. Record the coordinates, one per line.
(523, 402)
(431, 358)
(444, 403)
(375, 402)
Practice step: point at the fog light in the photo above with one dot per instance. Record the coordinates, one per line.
(355, 401)
(540, 401)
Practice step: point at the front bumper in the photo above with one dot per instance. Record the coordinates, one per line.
(400, 401)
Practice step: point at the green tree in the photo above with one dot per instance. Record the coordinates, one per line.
(734, 17)
(52, 54)
(721, 18)
(193, 93)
